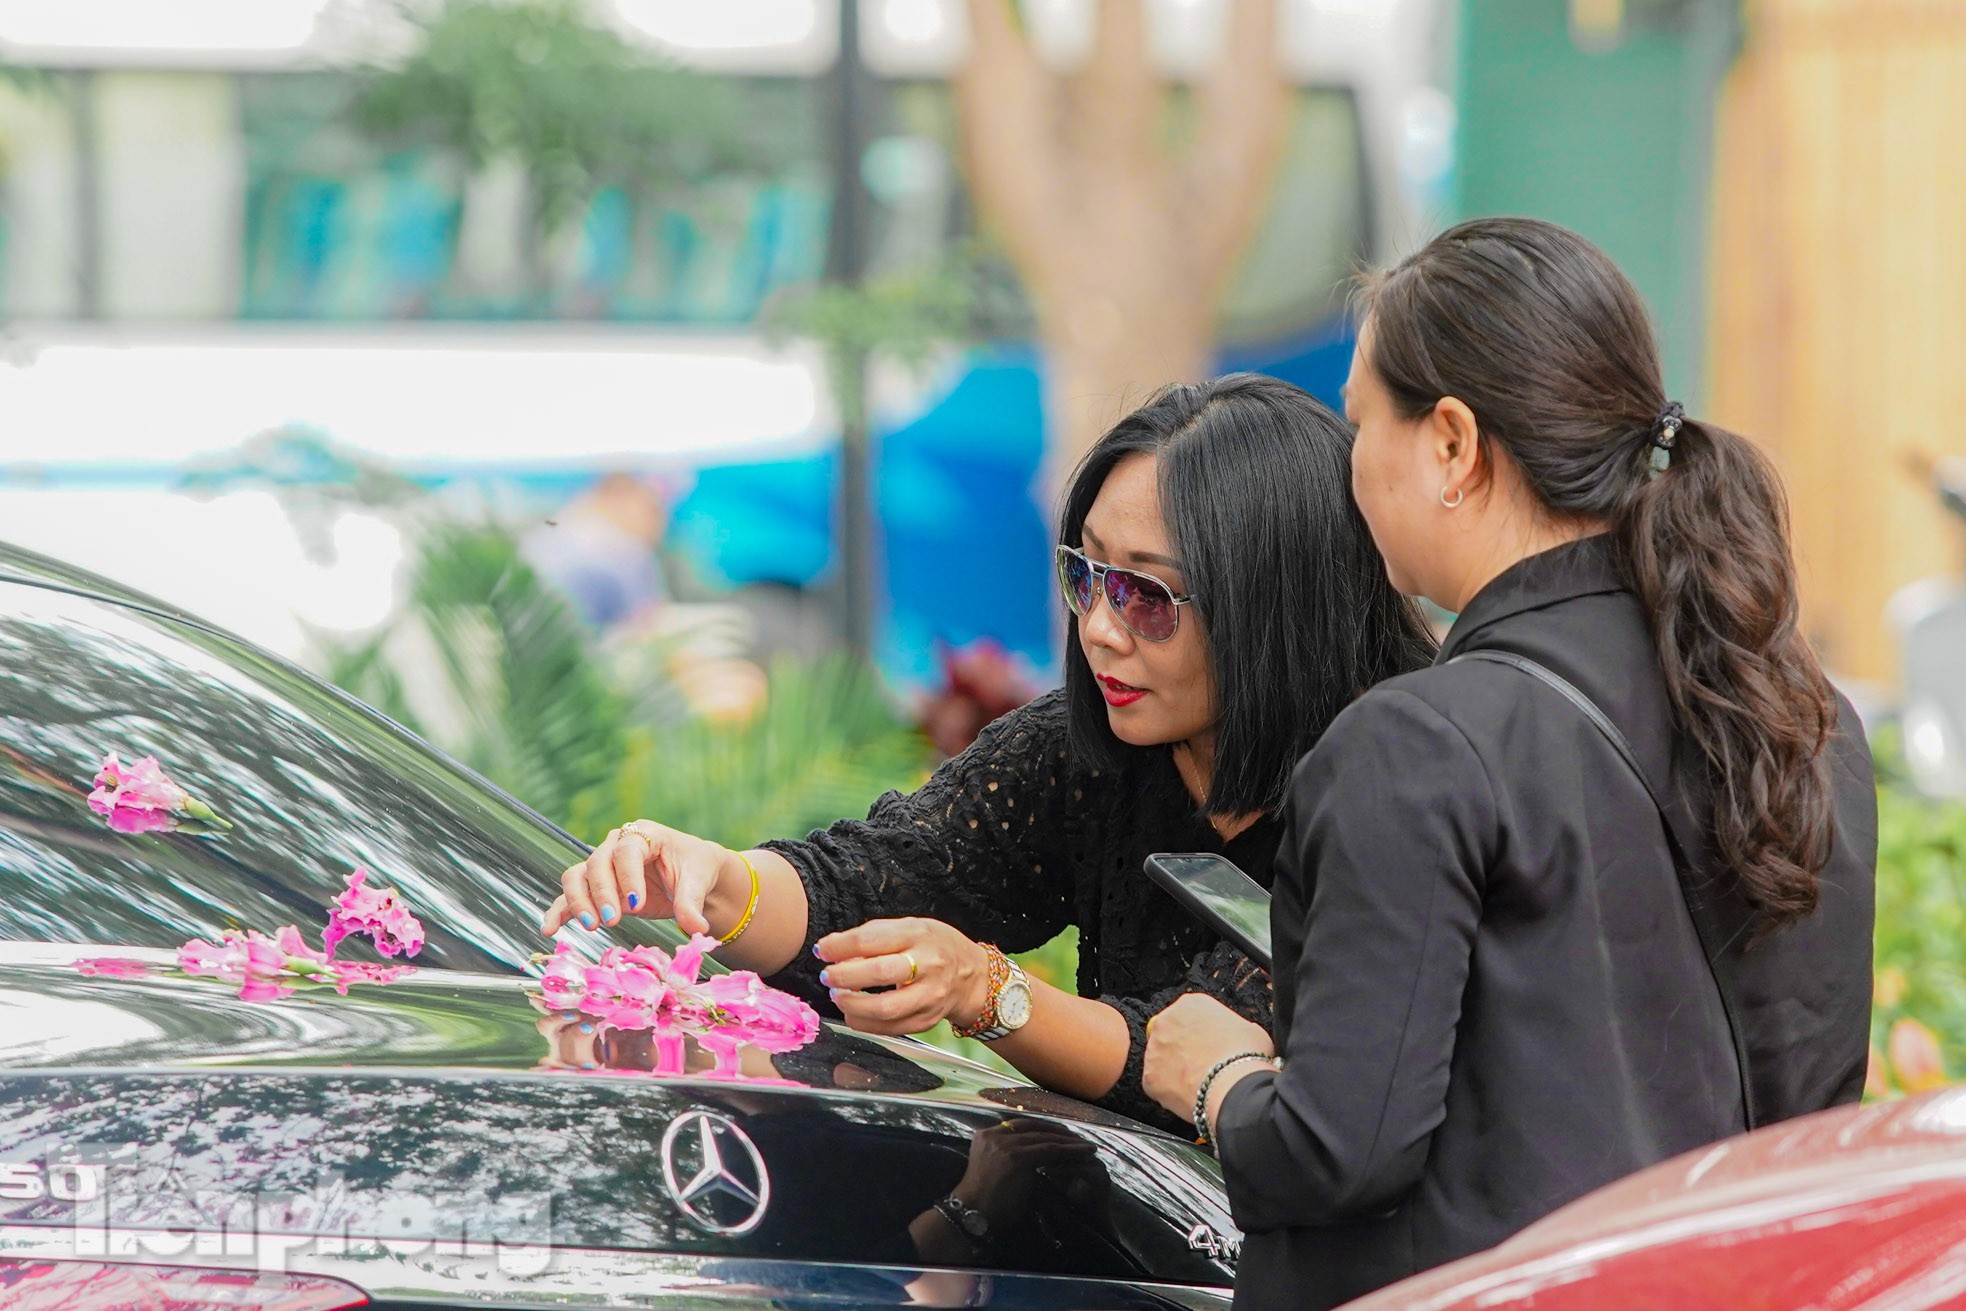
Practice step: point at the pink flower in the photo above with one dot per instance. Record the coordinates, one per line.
(263, 954)
(647, 988)
(623, 990)
(216, 960)
(723, 1048)
(565, 975)
(295, 947)
(113, 967)
(264, 990)
(671, 1051)
(688, 960)
(142, 798)
(650, 958)
(751, 1009)
(377, 912)
(346, 972)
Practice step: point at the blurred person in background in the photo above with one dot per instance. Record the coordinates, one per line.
(601, 551)
(1228, 604)
(1506, 974)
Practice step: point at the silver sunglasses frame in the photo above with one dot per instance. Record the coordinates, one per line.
(1099, 572)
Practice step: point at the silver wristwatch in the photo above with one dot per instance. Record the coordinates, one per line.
(1013, 1009)
(966, 1220)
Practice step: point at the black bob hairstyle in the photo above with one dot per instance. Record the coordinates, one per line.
(1296, 612)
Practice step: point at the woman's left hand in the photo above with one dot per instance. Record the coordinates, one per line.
(1185, 1041)
(950, 975)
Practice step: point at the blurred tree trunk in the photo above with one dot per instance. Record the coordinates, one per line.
(1125, 242)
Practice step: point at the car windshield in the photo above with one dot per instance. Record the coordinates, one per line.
(313, 785)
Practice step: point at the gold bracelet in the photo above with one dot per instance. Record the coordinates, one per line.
(750, 910)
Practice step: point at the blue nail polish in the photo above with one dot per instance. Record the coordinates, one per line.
(826, 978)
(587, 1065)
(607, 914)
(834, 993)
(587, 1028)
(633, 901)
(586, 921)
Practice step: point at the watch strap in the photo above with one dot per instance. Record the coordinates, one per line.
(1014, 973)
(971, 1223)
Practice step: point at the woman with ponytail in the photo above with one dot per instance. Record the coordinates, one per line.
(1597, 887)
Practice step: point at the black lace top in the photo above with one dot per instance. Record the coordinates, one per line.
(1012, 841)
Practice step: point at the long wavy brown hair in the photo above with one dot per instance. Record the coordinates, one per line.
(1547, 342)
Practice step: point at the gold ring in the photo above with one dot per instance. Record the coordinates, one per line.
(914, 970)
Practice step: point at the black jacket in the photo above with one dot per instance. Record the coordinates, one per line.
(1491, 996)
(1015, 839)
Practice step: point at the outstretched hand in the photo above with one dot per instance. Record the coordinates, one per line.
(642, 868)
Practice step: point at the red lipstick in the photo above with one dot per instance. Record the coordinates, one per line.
(1118, 693)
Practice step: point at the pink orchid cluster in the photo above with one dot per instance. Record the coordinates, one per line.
(267, 968)
(142, 798)
(377, 912)
(648, 988)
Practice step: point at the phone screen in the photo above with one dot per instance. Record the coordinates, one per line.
(1219, 894)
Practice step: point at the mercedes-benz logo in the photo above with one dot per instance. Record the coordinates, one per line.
(715, 1173)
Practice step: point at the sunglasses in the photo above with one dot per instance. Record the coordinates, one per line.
(1147, 606)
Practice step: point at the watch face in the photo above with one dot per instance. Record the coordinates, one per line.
(975, 1223)
(1014, 1006)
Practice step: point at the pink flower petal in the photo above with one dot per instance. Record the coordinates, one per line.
(138, 798)
(671, 1051)
(113, 967)
(377, 912)
(688, 960)
(295, 947)
(263, 990)
(218, 960)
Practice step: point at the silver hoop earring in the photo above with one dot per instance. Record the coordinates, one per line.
(1460, 495)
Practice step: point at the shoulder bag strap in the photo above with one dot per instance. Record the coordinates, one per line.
(1711, 945)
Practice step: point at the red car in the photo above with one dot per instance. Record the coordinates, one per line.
(1860, 1207)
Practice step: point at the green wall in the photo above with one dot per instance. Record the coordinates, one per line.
(1615, 144)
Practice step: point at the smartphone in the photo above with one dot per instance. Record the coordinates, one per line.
(1216, 892)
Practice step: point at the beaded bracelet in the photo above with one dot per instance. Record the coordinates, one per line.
(999, 975)
(1201, 1095)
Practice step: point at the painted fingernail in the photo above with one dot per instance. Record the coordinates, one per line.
(586, 920)
(587, 1065)
(587, 1028)
(607, 914)
(834, 993)
(826, 977)
(815, 952)
(633, 901)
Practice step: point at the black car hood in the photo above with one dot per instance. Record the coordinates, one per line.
(435, 1110)
(60, 1009)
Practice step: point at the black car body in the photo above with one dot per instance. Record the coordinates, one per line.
(448, 1139)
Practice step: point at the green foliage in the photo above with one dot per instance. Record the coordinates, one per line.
(538, 82)
(490, 664)
(906, 316)
(1921, 917)
(825, 745)
(521, 699)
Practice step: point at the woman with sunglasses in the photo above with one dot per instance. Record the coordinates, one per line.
(1228, 603)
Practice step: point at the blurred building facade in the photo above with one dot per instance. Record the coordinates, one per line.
(153, 188)
(1783, 179)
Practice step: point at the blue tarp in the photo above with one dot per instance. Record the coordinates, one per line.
(964, 548)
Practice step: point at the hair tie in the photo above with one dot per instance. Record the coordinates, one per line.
(1665, 431)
